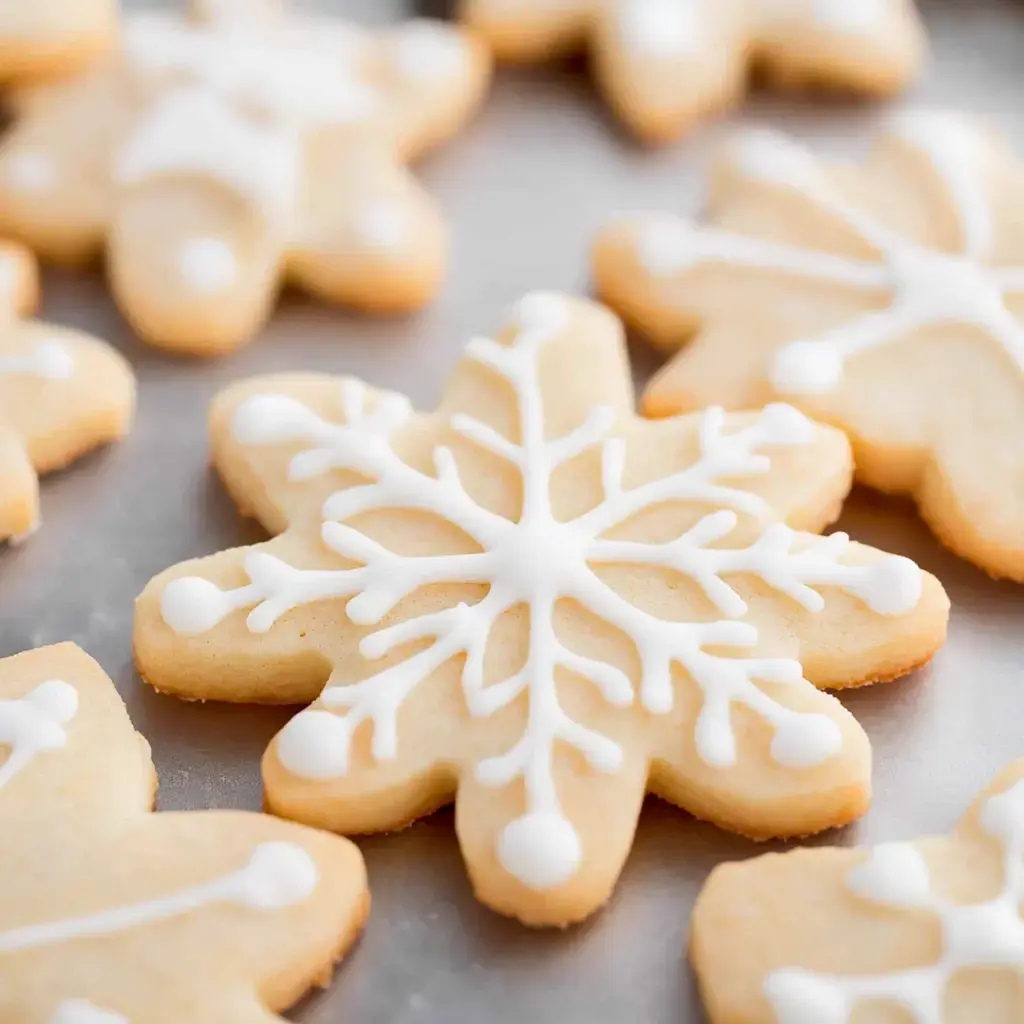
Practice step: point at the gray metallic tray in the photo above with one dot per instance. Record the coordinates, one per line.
(524, 188)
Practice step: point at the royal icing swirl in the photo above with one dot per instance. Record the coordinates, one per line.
(535, 561)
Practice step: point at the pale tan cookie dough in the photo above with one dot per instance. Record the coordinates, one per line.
(553, 607)
(884, 298)
(664, 65)
(922, 932)
(43, 39)
(114, 915)
(62, 394)
(222, 157)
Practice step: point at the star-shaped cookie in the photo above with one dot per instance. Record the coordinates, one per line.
(885, 298)
(927, 932)
(110, 914)
(49, 38)
(62, 394)
(541, 605)
(220, 157)
(663, 65)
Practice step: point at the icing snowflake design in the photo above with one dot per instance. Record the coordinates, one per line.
(928, 288)
(980, 935)
(534, 562)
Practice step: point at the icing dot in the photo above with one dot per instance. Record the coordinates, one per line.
(893, 586)
(542, 311)
(381, 225)
(661, 28)
(55, 698)
(278, 875)
(31, 171)
(314, 745)
(667, 245)
(803, 741)
(807, 368)
(894, 874)
(51, 360)
(207, 264)
(786, 425)
(269, 419)
(191, 605)
(428, 50)
(1002, 815)
(847, 16)
(797, 997)
(541, 849)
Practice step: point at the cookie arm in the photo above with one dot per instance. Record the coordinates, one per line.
(193, 266)
(50, 37)
(664, 66)
(533, 31)
(19, 495)
(370, 236)
(874, 49)
(56, 192)
(434, 77)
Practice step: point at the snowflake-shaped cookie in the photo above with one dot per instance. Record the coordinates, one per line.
(221, 157)
(664, 64)
(47, 38)
(885, 298)
(928, 931)
(62, 394)
(113, 915)
(538, 601)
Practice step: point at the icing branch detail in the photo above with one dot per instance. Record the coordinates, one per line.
(535, 562)
(979, 935)
(278, 875)
(929, 287)
(34, 724)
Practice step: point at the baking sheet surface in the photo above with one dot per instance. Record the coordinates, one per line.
(524, 188)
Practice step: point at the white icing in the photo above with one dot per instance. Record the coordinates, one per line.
(929, 288)
(48, 359)
(192, 131)
(535, 562)
(208, 264)
(989, 934)
(236, 99)
(34, 724)
(31, 171)
(278, 875)
(381, 224)
(662, 28)
(81, 1011)
(281, 73)
(426, 51)
(853, 16)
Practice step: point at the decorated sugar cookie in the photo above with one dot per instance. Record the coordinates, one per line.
(221, 157)
(538, 604)
(62, 394)
(114, 915)
(48, 38)
(928, 932)
(884, 298)
(664, 64)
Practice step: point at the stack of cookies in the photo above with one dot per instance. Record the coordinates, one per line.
(536, 600)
